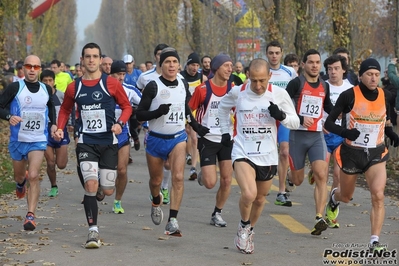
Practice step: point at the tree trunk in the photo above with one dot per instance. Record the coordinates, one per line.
(340, 17)
(2, 41)
(397, 30)
(196, 27)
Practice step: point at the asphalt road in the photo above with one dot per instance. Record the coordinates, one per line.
(282, 233)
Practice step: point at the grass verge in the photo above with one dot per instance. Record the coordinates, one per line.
(7, 184)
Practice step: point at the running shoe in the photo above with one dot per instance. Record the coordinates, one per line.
(188, 159)
(199, 178)
(251, 244)
(172, 228)
(165, 195)
(53, 192)
(93, 240)
(117, 208)
(332, 223)
(241, 240)
(137, 144)
(310, 177)
(157, 213)
(130, 160)
(377, 247)
(289, 186)
(217, 220)
(319, 226)
(193, 174)
(100, 193)
(20, 190)
(283, 200)
(332, 210)
(29, 224)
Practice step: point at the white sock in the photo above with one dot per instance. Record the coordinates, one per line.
(374, 238)
(166, 177)
(333, 199)
(93, 228)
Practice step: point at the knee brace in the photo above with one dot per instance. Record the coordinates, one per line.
(107, 178)
(89, 170)
(93, 194)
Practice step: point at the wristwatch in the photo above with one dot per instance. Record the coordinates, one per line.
(121, 123)
(8, 117)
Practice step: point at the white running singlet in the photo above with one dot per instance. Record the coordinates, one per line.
(174, 120)
(280, 77)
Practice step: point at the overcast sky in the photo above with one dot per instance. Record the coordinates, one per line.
(87, 14)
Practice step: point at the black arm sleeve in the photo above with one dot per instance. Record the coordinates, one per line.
(388, 97)
(343, 105)
(188, 97)
(149, 93)
(328, 106)
(50, 105)
(292, 89)
(6, 98)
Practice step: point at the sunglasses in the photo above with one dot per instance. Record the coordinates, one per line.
(29, 67)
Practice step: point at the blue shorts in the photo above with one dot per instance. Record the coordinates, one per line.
(159, 145)
(123, 138)
(57, 144)
(332, 141)
(19, 150)
(283, 134)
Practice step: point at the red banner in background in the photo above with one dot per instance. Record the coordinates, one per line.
(41, 6)
(248, 45)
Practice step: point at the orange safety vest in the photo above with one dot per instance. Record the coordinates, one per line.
(369, 118)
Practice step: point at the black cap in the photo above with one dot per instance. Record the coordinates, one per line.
(193, 58)
(118, 66)
(219, 60)
(369, 63)
(168, 51)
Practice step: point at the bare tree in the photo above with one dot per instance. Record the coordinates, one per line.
(109, 28)
(6, 8)
(306, 28)
(54, 32)
(151, 23)
(340, 17)
(397, 28)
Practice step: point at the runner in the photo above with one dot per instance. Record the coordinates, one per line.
(363, 151)
(57, 151)
(259, 105)
(205, 101)
(27, 105)
(96, 96)
(164, 106)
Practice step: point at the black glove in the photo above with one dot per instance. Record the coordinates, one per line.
(76, 129)
(163, 109)
(275, 112)
(351, 134)
(200, 129)
(226, 140)
(392, 136)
